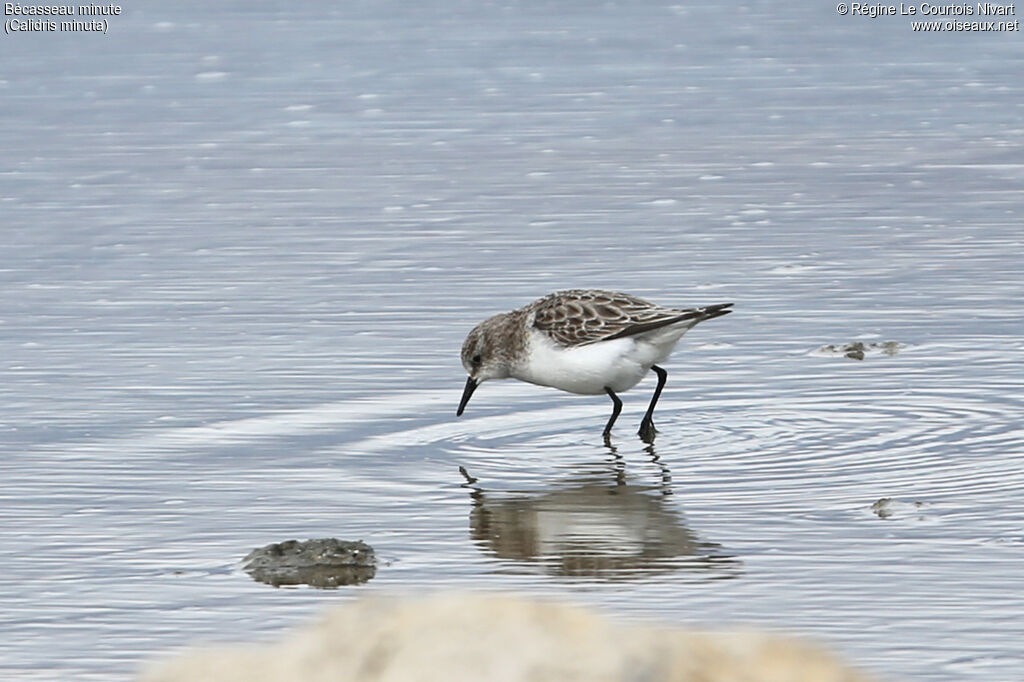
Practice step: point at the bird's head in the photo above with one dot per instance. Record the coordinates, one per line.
(485, 355)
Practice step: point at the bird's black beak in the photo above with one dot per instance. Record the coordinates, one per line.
(471, 385)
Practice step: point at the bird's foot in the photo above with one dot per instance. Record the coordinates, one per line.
(647, 431)
(470, 480)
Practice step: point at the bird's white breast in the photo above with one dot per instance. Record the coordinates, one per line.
(618, 364)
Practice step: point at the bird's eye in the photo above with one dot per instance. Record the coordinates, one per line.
(476, 359)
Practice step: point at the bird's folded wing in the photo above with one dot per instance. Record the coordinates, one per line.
(575, 319)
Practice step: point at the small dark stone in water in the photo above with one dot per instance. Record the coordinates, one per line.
(883, 507)
(857, 350)
(326, 562)
(854, 351)
(890, 347)
(887, 506)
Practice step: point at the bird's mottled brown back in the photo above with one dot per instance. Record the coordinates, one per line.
(578, 317)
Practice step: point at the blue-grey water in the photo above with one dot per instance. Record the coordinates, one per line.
(242, 244)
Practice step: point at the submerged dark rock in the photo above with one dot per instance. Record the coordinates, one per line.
(887, 507)
(858, 350)
(325, 562)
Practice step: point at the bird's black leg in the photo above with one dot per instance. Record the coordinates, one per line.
(616, 408)
(647, 429)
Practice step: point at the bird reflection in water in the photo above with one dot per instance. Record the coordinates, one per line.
(595, 526)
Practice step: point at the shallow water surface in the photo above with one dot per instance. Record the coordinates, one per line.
(239, 265)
